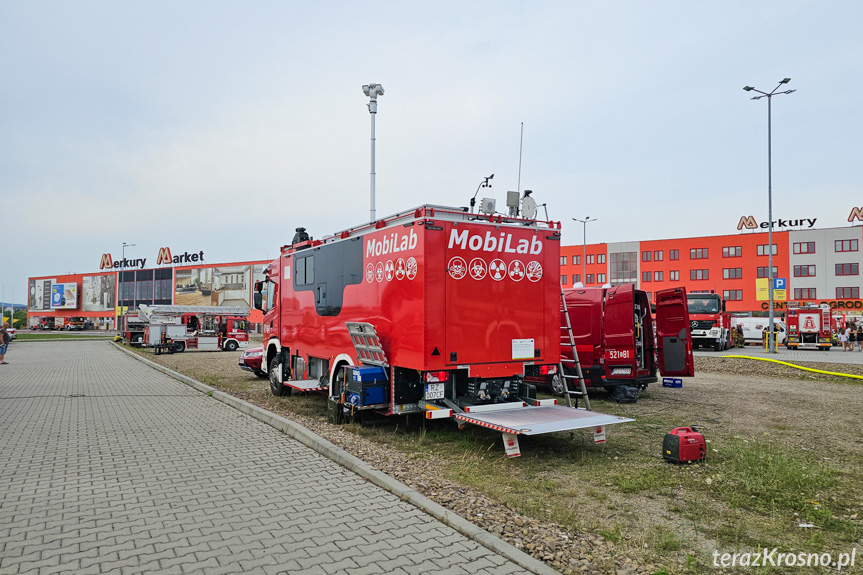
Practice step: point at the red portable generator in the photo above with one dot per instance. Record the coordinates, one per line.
(683, 444)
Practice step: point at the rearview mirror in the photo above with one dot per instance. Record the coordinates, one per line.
(259, 300)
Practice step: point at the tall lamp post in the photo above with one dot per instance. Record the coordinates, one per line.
(585, 221)
(769, 95)
(373, 91)
(123, 269)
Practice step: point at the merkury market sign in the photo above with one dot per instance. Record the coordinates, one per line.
(164, 257)
(749, 222)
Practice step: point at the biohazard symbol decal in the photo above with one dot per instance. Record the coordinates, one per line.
(534, 271)
(370, 273)
(478, 269)
(808, 323)
(390, 270)
(457, 268)
(379, 272)
(411, 268)
(497, 270)
(516, 270)
(400, 269)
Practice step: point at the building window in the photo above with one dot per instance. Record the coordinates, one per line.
(674, 254)
(804, 248)
(698, 254)
(576, 260)
(589, 279)
(849, 292)
(847, 269)
(649, 296)
(762, 250)
(732, 294)
(698, 274)
(645, 256)
(590, 259)
(600, 259)
(657, 276)
(732, 273)
(645, 276)
(563, 280)
(657, 256)
(674, 275)
(623, 267)
(804, 293)
(576, 278)
(732, 252)
(846, 245)
(563, 260)
(762, 272)
(600, 278)
(805, 271)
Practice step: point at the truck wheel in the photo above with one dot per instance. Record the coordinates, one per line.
(276, 388)
(558, 385)
(717, 346)
(179, 346)
(231, 346)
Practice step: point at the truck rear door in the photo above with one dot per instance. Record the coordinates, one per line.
(619, 333)
(673, 338)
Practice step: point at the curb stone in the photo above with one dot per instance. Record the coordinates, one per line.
(362, 469)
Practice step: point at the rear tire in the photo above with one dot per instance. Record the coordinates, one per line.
(277, 388)
(558, 384)
(179, 346)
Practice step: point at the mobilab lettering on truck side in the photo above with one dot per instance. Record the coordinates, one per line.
(391, 243)
(490, 243)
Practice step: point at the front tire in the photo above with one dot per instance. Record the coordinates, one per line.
(276, 387)
(231, 346)
(717, 345)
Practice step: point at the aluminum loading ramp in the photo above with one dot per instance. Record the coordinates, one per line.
(539, 420)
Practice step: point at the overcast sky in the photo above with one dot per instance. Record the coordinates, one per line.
(222, 126)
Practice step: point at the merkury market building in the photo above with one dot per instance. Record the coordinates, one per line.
(817, 265)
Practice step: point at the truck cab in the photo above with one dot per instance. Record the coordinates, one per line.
(708, 320)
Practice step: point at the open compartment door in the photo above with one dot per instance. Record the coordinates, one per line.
(673, 338)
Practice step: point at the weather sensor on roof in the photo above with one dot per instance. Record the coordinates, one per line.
(487, 206)
(528, 206)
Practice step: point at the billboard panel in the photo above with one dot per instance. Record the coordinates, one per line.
(39, 295)
(64, 296)
(97, 293)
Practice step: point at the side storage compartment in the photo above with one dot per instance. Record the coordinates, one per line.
(366, 387)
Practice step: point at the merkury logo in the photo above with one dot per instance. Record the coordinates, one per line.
(749, 223)
(108, 262)
(164, 257)
(856, 214)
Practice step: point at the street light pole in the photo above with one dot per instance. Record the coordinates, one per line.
(769, 95)
(585, 221)
(122, 273)
(373, 91)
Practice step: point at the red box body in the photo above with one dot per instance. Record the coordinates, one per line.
(683, 444)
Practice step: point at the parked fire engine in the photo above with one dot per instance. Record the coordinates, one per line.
(132, 328)
(176, 328)
(452, 305)
(619, 341)
(709, 321)
(809, 326)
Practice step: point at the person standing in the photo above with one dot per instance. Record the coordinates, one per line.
(853, 338)
(4, 341)
(843, 338)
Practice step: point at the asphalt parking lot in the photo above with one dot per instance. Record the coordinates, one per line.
(110, 466)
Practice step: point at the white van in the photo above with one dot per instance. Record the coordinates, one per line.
(754, 326)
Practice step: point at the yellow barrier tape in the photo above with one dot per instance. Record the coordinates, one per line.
(796, 366)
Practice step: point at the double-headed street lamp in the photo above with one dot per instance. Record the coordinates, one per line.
(585, 221)
(769, 95)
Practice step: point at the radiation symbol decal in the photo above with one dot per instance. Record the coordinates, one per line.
(390, 270)
(400, 269)
(516, 270)
(534, 271)
(457, 268)
(370, 273)
(379, 272)
(497, 270)
(478, 268)
(411, 268)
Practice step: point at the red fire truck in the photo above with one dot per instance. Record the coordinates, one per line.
(176, 328)
(460, 304)
(709, 321)
(620, 342)
(809, 326)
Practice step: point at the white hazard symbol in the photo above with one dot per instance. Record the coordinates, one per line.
(478, 269)
(379, 272)
(411, 268)
(497, 270)
(516, 270)
(534, 271)
(390, 270)
(457, 268)
(400, 269)
(370, 273)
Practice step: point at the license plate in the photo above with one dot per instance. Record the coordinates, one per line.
(434, 391)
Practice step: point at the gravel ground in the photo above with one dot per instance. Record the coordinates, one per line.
(740, 396)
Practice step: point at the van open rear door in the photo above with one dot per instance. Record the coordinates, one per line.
(673, 338)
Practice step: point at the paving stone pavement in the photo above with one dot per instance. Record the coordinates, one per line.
(107, 466)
